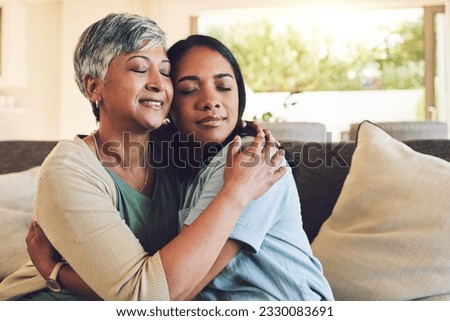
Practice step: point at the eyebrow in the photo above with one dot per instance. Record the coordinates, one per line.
(222, 75)
(187, 78)
(146, 58)
(196, 78)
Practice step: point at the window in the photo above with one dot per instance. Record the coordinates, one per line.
(338, 66)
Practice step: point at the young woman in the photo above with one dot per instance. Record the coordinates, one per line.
(109, 213)
(267, 257)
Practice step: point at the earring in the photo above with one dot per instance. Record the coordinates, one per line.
(96, 104)
(166, 121)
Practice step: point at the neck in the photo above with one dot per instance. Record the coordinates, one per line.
(127, 150)
(192, 156)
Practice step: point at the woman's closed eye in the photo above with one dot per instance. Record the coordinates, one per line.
(186, 90)
(165, 73)
(223, 88)
(224, 84)
(141, 70)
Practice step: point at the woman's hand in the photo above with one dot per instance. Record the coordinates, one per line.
(252, 170)
(42, 253)
(251, 126)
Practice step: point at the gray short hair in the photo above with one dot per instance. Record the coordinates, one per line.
(110, 37)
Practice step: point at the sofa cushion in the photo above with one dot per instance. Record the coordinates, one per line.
(17, 189)
(13, 230)
(17, 192)
(388, 237)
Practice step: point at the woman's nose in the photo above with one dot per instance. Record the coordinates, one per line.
(209, 102)
(156, 82)
(209, 105)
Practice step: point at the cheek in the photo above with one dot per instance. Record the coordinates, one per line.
(169, 95)
(169, 91)
(235, 110)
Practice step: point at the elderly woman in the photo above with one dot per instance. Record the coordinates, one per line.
(111, 214)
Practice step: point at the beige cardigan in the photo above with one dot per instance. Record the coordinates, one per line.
(75, 205)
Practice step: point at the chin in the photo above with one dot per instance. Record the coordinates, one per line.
(212, 140)
(154, 125)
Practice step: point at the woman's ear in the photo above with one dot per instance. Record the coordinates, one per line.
(92, 88)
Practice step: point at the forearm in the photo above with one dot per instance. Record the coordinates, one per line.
(230, 250)
(71, 281)
(196, 248)
(45, 258)
(101, 248)
(246, 176)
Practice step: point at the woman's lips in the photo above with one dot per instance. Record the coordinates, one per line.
(154, 104)
(211, 121)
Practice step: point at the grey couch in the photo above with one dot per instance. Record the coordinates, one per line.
(320, 169)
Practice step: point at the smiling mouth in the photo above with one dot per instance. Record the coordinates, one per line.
(157, 105)
(211, 121)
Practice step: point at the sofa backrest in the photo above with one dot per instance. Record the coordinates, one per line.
(19, 155)
(321, 169)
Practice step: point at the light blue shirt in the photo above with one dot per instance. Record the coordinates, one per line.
(276, 262)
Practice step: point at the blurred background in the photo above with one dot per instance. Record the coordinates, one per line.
(332, 63)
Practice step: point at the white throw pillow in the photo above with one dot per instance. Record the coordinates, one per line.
(388, 237)
(17, 190)
(13, 230)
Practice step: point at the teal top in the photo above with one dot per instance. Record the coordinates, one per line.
(153, 221)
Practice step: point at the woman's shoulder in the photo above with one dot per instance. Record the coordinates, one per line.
(72, 163)
(73, 152)
(72, 156)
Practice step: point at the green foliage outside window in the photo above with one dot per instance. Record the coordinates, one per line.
(273, 61)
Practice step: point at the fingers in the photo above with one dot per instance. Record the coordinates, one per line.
(254, 126)
(30, 235)
(278, 159)
(279, 173)
(257, 144)
(263, 149)
(35, 233)
(235, 148)
(272, 150)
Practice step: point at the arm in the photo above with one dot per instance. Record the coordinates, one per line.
(229, 251)
(207, 190)
(74, 205)
(246, 177)
(126, 267)
(44, 256)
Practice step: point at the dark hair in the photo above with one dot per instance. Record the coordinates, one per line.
(180, 48)
(175, 53)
